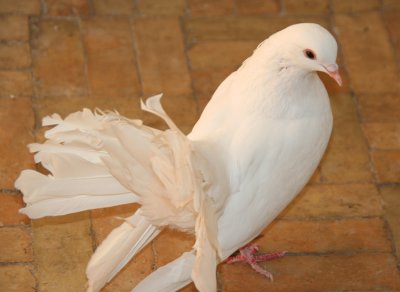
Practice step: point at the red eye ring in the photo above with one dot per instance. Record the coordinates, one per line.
(310, 54)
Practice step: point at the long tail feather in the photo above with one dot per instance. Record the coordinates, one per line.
(117, 249)
(37, 186)
(171, 277)
(63, 206)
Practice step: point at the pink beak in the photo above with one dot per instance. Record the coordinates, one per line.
(333, 71)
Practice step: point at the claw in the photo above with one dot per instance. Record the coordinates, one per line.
(248, 254)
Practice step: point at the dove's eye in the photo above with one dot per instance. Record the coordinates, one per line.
(309, 54)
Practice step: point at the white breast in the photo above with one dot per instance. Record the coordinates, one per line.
(270, 176)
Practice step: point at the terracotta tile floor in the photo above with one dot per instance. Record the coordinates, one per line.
(343, 231)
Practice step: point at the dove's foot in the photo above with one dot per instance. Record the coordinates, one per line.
(248, 254)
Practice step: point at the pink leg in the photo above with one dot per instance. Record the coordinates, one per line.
(248, 255)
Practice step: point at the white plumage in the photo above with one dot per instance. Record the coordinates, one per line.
(253, 149)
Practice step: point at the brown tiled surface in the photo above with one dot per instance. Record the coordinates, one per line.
(339, 236)
(10, 203)
(391, 203)
(67, 7)
(161, 8)
(342, 232)
(111, 61)
(307, 7)
(17, 278)
(372, 68)
(15, 56)
(62, 246)
(112, 7)
(15, 245)
(343, 6)
(28, 7)
(16, 131)
(257, 7)
(156, 39)
(318, 273)
(58, 57)
(14, 27)
(210, 7)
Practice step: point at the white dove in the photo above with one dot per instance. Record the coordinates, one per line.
(254, 148)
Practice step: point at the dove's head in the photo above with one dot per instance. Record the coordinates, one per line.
(310, 47)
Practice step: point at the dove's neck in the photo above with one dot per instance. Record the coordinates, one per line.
(266, 86)
(276, 89)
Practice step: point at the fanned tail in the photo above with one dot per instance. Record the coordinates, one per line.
(78, 180)
(123, 243)
(103, 159)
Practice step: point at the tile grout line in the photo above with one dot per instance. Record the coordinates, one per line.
(154, 265)
(33, 27)
(91, 11)
(388, 230)
(355, 100)
(11, 192)
(35, 92)
(189, 66)
(389, 233)
(337, 218)
(322, 179)
(361, 120)
(87, 89)
(35, 269)
(22, 263)
(92, 232)
(342, 253)
(135, 51)
(43, 7)
(392, 40)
